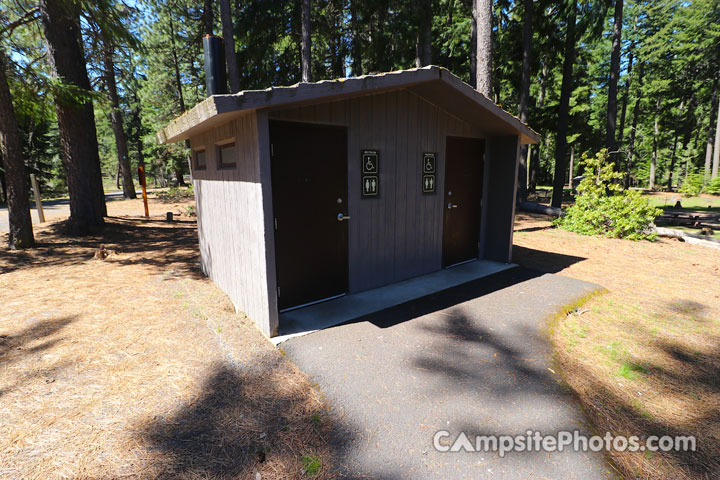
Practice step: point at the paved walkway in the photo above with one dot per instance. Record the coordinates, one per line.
(473, 359)
(53, 209)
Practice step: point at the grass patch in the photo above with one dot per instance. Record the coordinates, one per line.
(630, 370)
(644, 358)
(312, 464)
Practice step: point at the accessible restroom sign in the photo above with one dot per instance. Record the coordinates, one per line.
(370, 169)
(428, 169)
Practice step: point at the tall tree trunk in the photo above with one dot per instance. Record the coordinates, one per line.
(653, 161)
(305, 46)
(473, 46)
(525, 93)
(21, 233)
(208, 18)
(626, 97)
(423, 44)
(613, 81)
(672, 161)
(116, 119)
(564, 110)
(716, 152)
(633, 128)
(230, 55)
(176, 64)
(483, 52)
(355, 50)
(76, 118)
(709, 145)
(535, 162)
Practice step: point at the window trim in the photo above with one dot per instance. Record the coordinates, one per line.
(218, 157)
(196, 165)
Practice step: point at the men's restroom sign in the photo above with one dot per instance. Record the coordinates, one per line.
(370, 162)
(370, 177)
(428, 169)
(370, 185)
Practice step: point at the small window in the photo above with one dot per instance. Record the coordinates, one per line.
(200, 160)
(226, 155)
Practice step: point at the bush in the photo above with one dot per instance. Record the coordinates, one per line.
(603, 207)
(176, 194)
(713, 186)
(692, 186)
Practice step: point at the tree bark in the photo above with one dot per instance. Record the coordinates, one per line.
(716, 152)
(653, 161)
(423, 44)
(626, 96)
(633, 129)
(613, 81)
(21, 233)
(525, 94)
(564, 110)
(76, 118)
(355, 50)
(473, 46)
(709, 145)
(176, 64)
(230, 55)
(116, 119)
(483, 52)
(208, 18)
(305, 45)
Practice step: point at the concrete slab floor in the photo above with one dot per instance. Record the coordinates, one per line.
(349, 307)
(472, 359)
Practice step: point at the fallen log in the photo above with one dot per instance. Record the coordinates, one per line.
(540, 208)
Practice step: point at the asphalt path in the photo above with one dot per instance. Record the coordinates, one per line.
(53, 209)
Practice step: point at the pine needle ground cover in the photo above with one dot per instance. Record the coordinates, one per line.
(644, 358)
(131, 364)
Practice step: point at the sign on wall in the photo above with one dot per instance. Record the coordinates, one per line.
(428, 177)
(370, 168)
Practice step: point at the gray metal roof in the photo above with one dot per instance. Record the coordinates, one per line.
(435, 84)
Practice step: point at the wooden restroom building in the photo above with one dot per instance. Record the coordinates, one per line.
(317, 190)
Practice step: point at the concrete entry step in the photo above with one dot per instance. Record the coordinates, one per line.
(350, 307)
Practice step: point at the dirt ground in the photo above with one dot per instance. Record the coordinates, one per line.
(137, 366)
(644, 358)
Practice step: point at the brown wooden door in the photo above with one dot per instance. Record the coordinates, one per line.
(463, 196)
(309, 182)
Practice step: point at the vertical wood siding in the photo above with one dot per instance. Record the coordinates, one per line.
(232, 226)
(399, 234)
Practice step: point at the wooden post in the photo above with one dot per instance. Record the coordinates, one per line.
(36, 193)
(141, 179)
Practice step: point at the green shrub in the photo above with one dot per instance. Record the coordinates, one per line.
(692, 186)
(176, 194)
(713, 186)
(603, 207)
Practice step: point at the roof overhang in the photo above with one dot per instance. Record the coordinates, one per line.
(436, 84)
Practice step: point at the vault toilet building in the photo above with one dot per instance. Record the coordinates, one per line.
(318, 190)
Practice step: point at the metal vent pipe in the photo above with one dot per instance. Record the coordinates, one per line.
(215, 75)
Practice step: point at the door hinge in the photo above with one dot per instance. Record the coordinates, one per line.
(272, 150)
(278, 288)
(276, 224)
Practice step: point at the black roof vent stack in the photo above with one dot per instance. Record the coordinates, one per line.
(215, 76)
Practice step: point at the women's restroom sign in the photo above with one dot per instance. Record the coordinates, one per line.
(370, 169)
(428, 169)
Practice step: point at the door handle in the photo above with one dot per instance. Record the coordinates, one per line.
(342, 217)
(451, 205)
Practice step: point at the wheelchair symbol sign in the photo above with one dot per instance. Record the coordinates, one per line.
(370, 162)
(428, 163)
